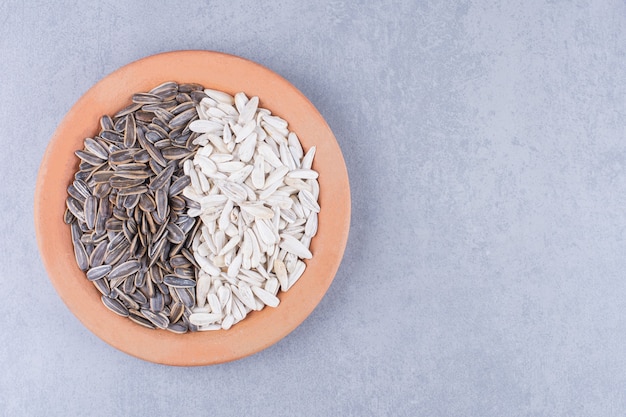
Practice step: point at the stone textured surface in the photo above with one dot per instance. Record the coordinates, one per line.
(484, 275)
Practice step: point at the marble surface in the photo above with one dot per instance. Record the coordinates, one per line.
(484, 274)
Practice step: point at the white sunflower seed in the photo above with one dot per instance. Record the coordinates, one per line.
(247, 147)
(257, 210)
(265, 233)
(310, 229)
(219, 96)
(207, 266)
(246, 130)
(207, 165)
(241, 175)
(293, 245)
(308, 201)
(228, 322)
(213, 200)
(230, 245)
(275, 122)
(295, 147)
(258, 173)
(202, 288)
(214, 303)
(206, 126)
(307, 160)
(303, 174)
(221, 157)
(223, 294)
(276, 176)
(248, 111)
(297, 273)
(297, 183)
(266, 297)
(286, 157)
(204, 319)
(224, 219)
(240, 101)
(233, 268)
(270, 189)
(271, 286)
(281, 273)
(268, 154)
(245, 295)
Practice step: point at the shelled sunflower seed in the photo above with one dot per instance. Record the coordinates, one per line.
(180, 152)
(257, 198)
(127, 213)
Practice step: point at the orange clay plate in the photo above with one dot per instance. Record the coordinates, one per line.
(260, 329)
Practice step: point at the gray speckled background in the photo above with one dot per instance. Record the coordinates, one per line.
(484, 275)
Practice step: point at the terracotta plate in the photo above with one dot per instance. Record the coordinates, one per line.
(260, 329)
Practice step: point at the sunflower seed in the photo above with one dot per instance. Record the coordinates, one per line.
(182, 117)
(307, 160)
(228, 322)
(178, 328)
(163, 177)
(141, 320)
(115, 255)
(98, 272)
(175, 234)
(102, 285)
(106, 123)
(303, 174)
(174, 281)
(310, 229)
(96, 149)
(90, 210)
(68, 217)
(130, 132)
(179, 261)
(125, 269)
(121, 182)
(115, 306)
(206, 126)
(157, 303)
(142, 98)
(133, 190)
(281, 273)
(146, 203)
(185, 296)
(203, 319)
(219, 96)
(158, 319)
(90, 158)
(297, 273)
(161, 88)
(81, 255)
(76, 194)
(176, 311)
(130, 200)
(161, 202)
(179, 185)
(266, 297)
(293, 245)
(269, 156)
(308, 201)
(150, 148)
(174, 153)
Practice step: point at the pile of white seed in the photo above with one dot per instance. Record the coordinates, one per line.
(257, 198)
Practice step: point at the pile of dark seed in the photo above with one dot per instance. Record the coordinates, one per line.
(130, 229)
